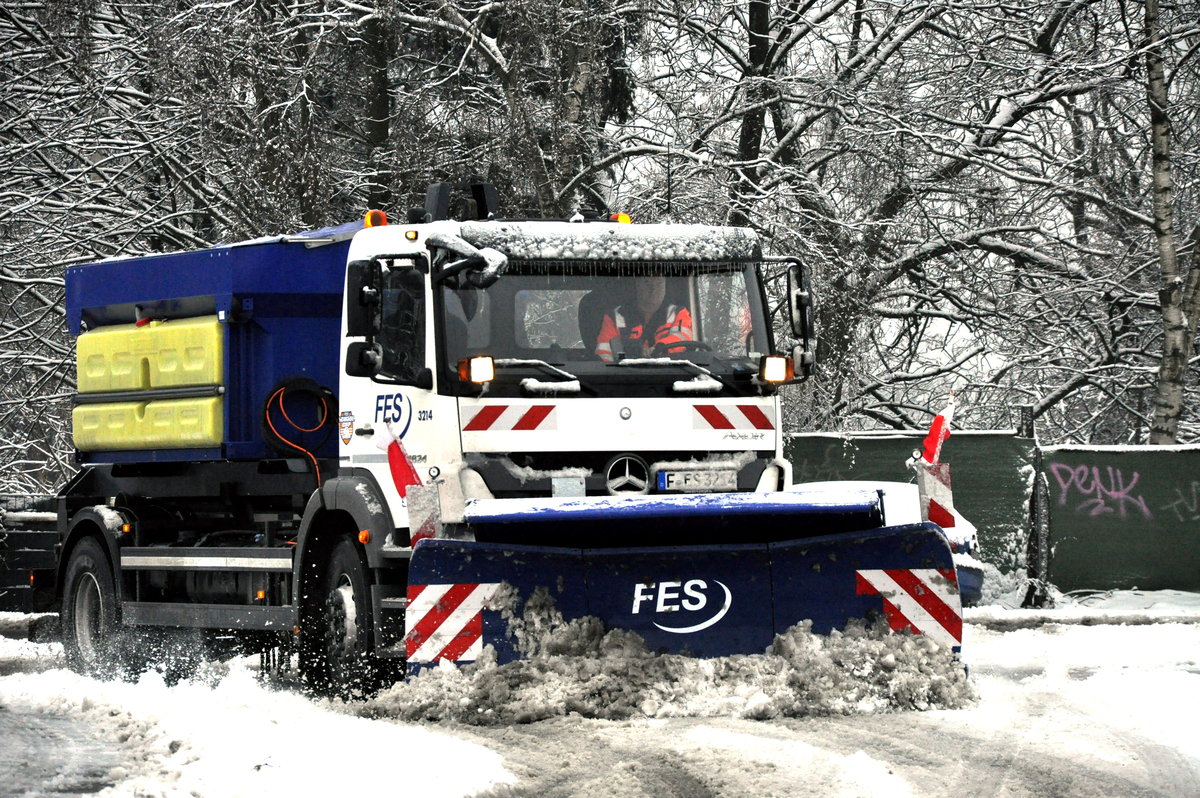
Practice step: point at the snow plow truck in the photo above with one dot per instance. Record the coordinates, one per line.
(370, 445)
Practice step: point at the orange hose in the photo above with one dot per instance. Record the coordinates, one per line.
(324, 418)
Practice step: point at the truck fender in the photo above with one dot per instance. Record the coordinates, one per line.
(108, 521)
(359, 497)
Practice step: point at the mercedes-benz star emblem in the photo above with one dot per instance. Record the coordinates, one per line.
(627, 475)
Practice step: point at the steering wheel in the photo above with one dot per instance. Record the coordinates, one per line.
(665, 347)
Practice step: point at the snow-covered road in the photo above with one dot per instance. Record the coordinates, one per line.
(1064, 708)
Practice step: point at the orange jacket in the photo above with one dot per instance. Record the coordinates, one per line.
(675, 327)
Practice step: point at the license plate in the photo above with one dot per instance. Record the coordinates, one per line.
(697, 481)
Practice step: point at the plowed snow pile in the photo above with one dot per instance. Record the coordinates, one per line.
(578, 668)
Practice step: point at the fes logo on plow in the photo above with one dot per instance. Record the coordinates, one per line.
(665, 594)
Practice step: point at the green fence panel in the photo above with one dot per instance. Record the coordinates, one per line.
(990, 471)
(1122, 517)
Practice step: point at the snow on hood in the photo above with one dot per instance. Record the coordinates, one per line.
(625, 242)
(615, 508)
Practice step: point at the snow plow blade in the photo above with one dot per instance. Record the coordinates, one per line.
(709, 600)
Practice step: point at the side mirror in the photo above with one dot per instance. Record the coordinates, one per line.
(800, 303)
(800, 312)
(483, 279)
(361, 298)
(362, 359)
(804, 360)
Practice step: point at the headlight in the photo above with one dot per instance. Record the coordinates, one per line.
(775, 368)
(476, 369)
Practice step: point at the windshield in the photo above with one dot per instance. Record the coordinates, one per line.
(601, 314)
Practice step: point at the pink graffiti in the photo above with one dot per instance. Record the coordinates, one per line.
(1189, 503)
(1086, 479)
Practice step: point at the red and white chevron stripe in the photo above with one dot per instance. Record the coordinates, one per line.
(937, 500)
(446, 621)
(924, 600)
(505, 418)
(733, 417)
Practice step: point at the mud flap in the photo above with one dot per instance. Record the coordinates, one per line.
(704, 601)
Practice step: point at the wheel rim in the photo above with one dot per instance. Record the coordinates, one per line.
(343, 619)
(89, 617)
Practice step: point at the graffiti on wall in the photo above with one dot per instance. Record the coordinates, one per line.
(1087, 487)
(830, 468)
(1186, 506)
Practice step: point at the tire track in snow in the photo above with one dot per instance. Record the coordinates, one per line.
(888, 756)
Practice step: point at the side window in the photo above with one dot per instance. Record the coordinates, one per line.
(401, 325)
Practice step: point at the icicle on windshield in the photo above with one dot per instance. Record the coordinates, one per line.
(589, 315)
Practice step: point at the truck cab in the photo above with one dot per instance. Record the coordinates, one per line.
(497, 373)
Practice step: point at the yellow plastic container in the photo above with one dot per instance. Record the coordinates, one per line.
(166, 424)
(161, 354)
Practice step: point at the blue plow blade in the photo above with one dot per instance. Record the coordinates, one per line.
(761, 565)
(970, 585)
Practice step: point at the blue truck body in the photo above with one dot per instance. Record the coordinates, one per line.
(281, 303)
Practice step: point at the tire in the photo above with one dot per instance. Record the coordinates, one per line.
(353, 670)
(91, 626)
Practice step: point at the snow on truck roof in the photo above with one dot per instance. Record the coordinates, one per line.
(310, 238)
(608, 241)
(552, 240)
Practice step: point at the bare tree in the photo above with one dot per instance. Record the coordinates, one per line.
(967, 180)
(978, 187)
(1178, 298)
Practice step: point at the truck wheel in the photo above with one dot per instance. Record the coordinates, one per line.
(90, 626)
(353, 669)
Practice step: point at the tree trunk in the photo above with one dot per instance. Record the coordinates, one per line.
(379, 113)
(753, 123)
(1179, 329)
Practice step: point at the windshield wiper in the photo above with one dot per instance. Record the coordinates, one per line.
(568, 384)
(704, 381)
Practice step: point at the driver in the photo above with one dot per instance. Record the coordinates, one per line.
(624, 330)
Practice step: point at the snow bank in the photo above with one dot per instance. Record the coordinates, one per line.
(579, 668)
(1167, 602)
(225, 734)
(26, 656)
(1001, 611)
(1003, 590)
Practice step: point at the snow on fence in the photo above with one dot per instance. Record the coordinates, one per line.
(1080, 518)
(991, 473)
